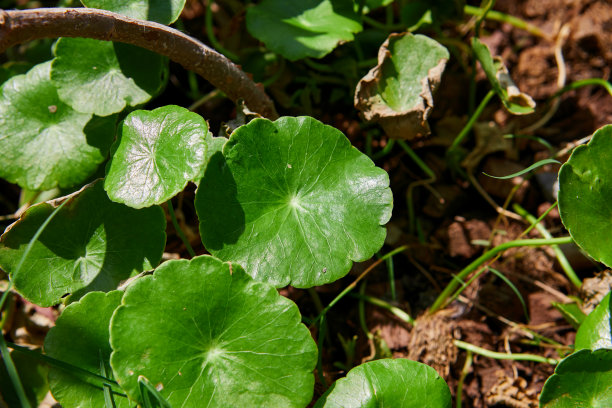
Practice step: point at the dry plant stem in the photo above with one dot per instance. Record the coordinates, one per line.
(571, 146)
(527, 332)
(559, 295)
(19, 26)
(488, 199)
(561, 78)
(501, 217)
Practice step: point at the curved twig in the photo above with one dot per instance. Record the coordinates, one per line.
(19, 26)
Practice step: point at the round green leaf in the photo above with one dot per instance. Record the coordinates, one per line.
(396, 383)
(307, 28)
(103, 77)
(584, 379)
(596, 330)
(585, 193)
(81, 338)
(208, 335)
(160, 11)
(293, 202)
(44, 143)
(155, 155)
(91, 244)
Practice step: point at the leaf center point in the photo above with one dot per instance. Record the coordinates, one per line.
(294, 202)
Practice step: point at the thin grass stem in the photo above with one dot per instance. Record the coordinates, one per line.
(464, 372)
(396, 311)
(470, 123)
(453, 284)
(505, 18)
(561, 258)
(178, 229)
(585, 82)
(503, 356)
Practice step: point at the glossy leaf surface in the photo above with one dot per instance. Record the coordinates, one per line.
(103, 77)
(206, 334)
(91, 244)
(596, 329)
(585, 193)
(156, 154)
(307, 28)
(399, 383)
(584, 379)
(44, 143)
(81, 338)
(398, 92)
(293, 202)
(160, 11)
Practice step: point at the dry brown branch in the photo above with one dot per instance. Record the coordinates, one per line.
(19, 26)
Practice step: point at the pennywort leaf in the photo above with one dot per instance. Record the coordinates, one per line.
(596, 330)
(103, 77)
(80, 337)
(400, 383)
(585, 191)
(307, 28)
(214, 338)
(44, 143)
(583, 379)
(293, 202)
(160, 11)
(91, 244)
(156, 153)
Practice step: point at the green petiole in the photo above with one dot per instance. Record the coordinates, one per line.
(450, 288)
(178, 229)
(396, 311)
(505, 18)
(565, 265)
(503, 356)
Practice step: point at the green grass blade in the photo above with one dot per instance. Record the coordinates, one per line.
(527, 170)
(514, 289)
(75, 370)
(151, 398)
(109, 402)
(465, 272)
(12, 372)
